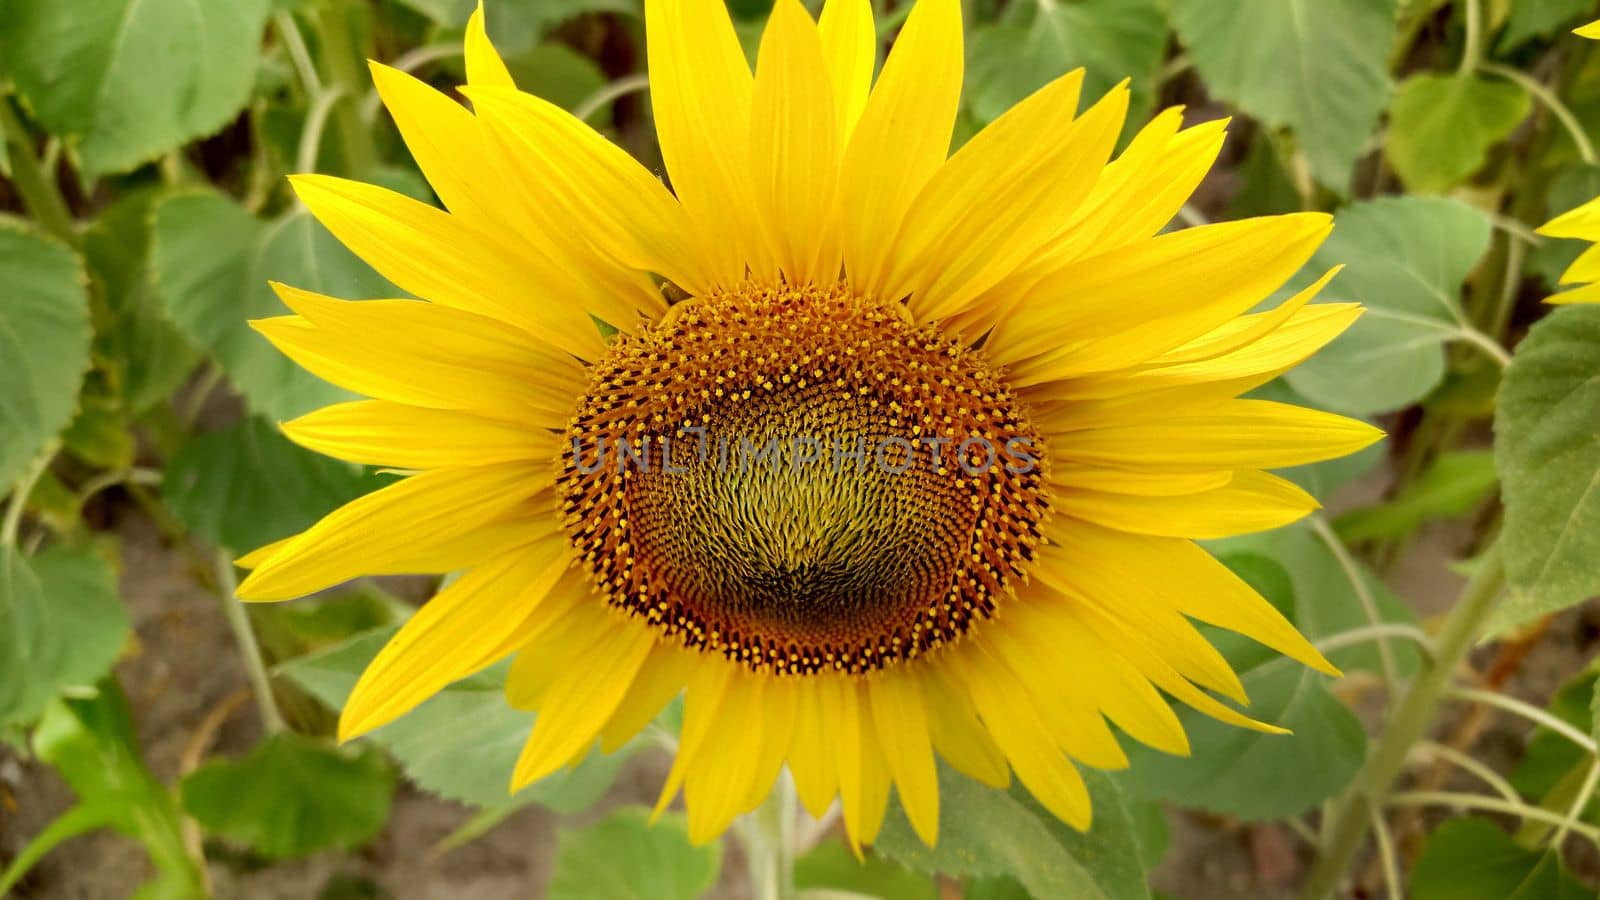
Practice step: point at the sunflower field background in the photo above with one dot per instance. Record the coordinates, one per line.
(159, 739)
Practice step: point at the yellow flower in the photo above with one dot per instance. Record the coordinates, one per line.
(822, 280)
(1591, 30)
(1583, 224)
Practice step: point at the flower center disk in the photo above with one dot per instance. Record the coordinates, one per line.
(801, 479)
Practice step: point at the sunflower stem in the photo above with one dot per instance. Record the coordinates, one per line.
(770, 843)
(255, 668)
(1347, 824)
(342, 65)
(40, 193)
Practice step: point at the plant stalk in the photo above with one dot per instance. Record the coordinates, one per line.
(342, 65)
(770, 843)
(255, 668)
(40, 193)
(1347, 824)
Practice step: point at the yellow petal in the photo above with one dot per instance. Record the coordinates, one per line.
(902, 137)
(863, 775)
(367, 534)
(700, 91)
(1126, 306)
(624, 210)
(1586, 294)
(1252, 501)
(1146, 603)
(1242, 434)
(450, 147)
(1591, 30)
(1209, 591)
(579, 703)
(811, 752)
(380, 433)
(1141, 191)
(702, 706)
(850, 43)
(1070, 711)
(957, 733)
(1134, 647)
(423, 354)
(1003, 195)
(1144, 482)
(439, 257)
(1048, 774)
(661, 678)
(473, 623)
(723, 770)
(902, 729)
(1585, 269)
(1582, 223)
(794, 145)
(1116, 689)
(484, 65)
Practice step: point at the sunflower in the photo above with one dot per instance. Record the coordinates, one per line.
(874, 453)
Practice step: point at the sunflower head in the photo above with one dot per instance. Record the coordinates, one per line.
(885, 454)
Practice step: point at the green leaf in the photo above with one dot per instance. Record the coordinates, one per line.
(1541, 18)
(1405, 259)
(463, 742)
(1038, 42)
(1442, 126)
(624, 857)
(44, 340)
(1452, 485)
(148, 357)
(211, 261)
(61, 625)
(292, 795)
(985, 832)
(1245, 773)
(246, 485)
(1548, 452)
(1472, 859)
(830, 865)
(1319, 67)
(1549, 758)
(92, 745)
(124, 81)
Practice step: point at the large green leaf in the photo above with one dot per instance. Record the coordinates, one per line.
(1246, 773)
(1442, 126)
(1319, 67)
(1405, 259)
(211, 261)
(1039, 41)
(463, 742)
(293, 795)
(1547, 449)
(831, 866)
(985, 832)
(625, 857)
(143, 352)
(246, 485)
(1535, 18)
(1472, 859)
(61, 625)
(123, 81)
(44, 342)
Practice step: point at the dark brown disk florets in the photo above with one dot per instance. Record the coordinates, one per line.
(801, 479)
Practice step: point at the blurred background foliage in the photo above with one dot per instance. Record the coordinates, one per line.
(143, 208)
